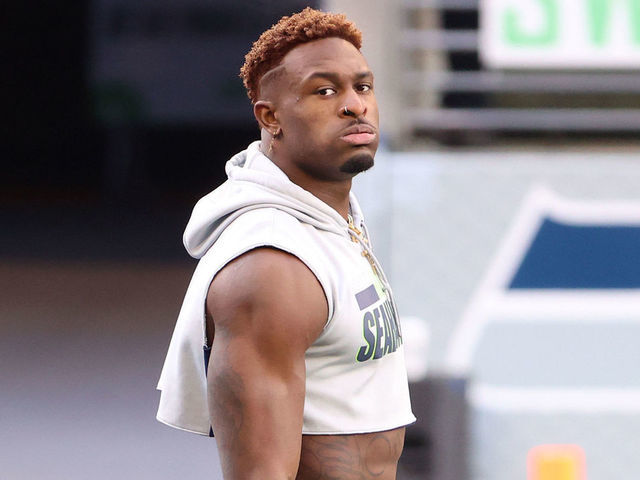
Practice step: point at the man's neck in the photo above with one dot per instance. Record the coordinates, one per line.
(334, 194)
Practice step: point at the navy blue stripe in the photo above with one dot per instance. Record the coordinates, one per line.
(207, 355)
(581, 256)
(367, 297)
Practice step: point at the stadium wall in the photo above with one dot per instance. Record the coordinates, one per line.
(525, 267)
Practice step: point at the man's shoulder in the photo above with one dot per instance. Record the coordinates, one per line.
(273, 282)
(271, 228)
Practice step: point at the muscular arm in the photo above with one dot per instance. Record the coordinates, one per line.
(267, 309)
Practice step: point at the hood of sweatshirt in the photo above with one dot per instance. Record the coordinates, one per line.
(253, 182)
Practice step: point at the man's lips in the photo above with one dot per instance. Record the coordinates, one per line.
(359, 138)
(359, 135)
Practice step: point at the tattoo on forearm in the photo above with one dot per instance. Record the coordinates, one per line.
(226, 408)
(229, 388)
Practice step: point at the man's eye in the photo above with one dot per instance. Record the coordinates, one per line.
(365, 87)
(327, 91)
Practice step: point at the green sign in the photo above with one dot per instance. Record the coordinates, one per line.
(560, 33)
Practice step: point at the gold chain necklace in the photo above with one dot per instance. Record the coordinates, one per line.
(365, 253)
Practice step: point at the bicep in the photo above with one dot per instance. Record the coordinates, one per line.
(267, 308)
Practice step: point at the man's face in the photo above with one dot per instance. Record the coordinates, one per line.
(319, 137)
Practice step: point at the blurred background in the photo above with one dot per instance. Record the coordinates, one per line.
(505, 205)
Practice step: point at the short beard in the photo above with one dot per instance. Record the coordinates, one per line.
(360, 163)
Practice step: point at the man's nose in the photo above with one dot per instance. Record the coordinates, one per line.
(354, 105)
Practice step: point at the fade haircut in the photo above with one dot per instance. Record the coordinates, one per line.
(308, 25)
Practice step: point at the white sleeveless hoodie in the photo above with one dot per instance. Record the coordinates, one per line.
(356, 380)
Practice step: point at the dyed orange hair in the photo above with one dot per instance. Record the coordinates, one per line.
(308, 25)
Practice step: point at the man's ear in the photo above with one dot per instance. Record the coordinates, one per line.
(265, 114)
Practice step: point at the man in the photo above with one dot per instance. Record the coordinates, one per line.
(303, 371)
